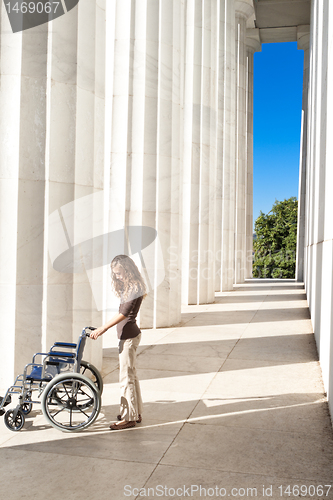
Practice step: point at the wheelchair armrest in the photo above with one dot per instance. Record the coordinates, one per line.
(63, 344)
(58, 354)
(38, 354)
(62, 354)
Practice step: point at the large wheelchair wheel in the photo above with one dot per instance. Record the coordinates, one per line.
(91, 372)
(71, 402)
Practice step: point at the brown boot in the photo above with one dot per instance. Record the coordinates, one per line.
(123, 424)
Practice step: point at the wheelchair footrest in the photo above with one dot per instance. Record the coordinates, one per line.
(8, 400)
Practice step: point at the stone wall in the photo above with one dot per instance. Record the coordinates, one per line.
(318, 254)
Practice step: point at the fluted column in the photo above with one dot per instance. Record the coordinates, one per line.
(243, 9)
(303, 43)
(145, 170)
(253, 45)
(72, 169)
(22, 179)
(89, 140)
(225, 203)
(200, 122)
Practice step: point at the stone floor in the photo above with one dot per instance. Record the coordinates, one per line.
(233, 404)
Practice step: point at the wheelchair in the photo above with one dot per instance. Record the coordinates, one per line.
(69, 389)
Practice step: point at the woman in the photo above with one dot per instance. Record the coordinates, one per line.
(129, 286)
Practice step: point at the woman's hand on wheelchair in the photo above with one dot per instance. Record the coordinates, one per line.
(97, 333)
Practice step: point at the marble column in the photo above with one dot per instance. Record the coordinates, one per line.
(253, 45)
(89, 164)
(200, 142)
(75, 45)
(60, 169)
(22, 182)
(145, 170)
(226, 149)
(243, 10)
(303, 43)
(315, 176)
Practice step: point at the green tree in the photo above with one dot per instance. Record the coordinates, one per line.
(275, 243)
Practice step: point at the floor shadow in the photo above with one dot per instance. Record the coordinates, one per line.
(171, 359)
(240, 299)
(211, 318)
(253, 287)
(255, 412)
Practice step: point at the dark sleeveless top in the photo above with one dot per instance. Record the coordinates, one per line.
(128, 329)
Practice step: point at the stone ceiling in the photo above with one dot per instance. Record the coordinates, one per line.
(277, 20)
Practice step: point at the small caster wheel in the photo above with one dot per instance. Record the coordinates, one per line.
(26, 408)
(14, 423)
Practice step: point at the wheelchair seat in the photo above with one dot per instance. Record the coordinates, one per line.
(36, 374)
(52, 367)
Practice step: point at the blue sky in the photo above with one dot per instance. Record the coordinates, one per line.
(278, 82)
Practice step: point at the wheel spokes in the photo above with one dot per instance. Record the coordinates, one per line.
(78, 404)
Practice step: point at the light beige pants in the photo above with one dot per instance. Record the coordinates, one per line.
(130, 400)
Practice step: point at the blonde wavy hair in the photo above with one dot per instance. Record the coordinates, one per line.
(133, 283)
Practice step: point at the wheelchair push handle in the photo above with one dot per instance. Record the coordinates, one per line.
(92, 328)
